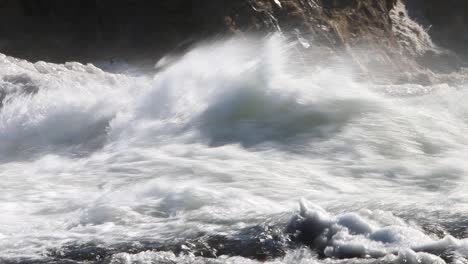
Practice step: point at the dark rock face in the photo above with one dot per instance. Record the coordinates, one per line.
(59, 30)
(90, 30)
(445, 20)
(55, 29)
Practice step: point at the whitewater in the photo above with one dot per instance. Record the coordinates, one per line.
(239, 151)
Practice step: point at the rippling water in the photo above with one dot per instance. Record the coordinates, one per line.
(237, 152)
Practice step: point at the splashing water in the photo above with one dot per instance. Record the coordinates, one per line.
(222, 143)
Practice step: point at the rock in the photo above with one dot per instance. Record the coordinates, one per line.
(91, 30)
(446, 21)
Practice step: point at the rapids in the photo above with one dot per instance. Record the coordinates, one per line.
(235, 145)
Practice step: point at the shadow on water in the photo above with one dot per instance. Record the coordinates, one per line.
(252, 117)
(73, 146)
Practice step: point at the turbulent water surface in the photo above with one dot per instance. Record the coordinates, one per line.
(236, 152)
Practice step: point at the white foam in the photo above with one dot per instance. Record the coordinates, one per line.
(296, 257)
(231, 135)
(411, 36)
(366, 235)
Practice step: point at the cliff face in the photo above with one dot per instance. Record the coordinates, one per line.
(84, 30)
(446, 21)
(52, 29)
(61, 30)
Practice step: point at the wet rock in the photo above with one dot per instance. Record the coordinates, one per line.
(378, 36)
(83, 29)
(446, 21)
(260, 242)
